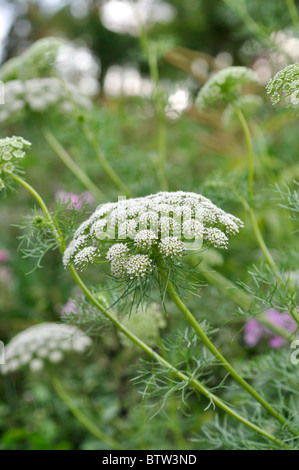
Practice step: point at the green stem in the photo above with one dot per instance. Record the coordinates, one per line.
(154, 355)
(81, 417)
(159, 107)
(247, 135)
(103, 161)
(293, 13)
(72, 165)
(57, 234)
(192, 321)
(148, 350)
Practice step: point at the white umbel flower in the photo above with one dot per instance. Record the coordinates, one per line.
(145, 239)
(85, 257)
(12, 150)
(171, 246)
(46, 341)
(285, 86)
(224, 84)
(159, 224)
(138, 266)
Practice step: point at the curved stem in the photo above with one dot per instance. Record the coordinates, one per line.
(154, 355)
(72, 165)
(56, 232)
(247, 135)
(81, 417)
(104, 162)
(147, 349)
(192, 321)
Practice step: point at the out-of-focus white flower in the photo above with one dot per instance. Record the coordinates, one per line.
(285, 85)
(12, 150)
(46, 341)
(40, 94)
(224, 85)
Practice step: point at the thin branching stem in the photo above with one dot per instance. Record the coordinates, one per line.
(72, 165)
(81, 417)
(110, 172)
(151, 55)
(223, 361)
(247, 135)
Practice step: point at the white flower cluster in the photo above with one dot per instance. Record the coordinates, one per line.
(46, 341)
(11, 152)
(224, 84)
(171, 246)
(36, 61)
(285, 85)
(132, 232)
(38, 95)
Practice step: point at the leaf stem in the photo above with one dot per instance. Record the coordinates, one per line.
(81, 417)
(207, 342)
(71, 164)
(247, 135)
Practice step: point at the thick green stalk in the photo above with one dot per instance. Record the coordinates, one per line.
(148, 350)
(72, 165)
(207, 342)
(81, 417)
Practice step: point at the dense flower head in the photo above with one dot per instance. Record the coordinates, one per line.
(224, 85)
(131, 233)
(46, 341)
(12, 150)
(285, 85)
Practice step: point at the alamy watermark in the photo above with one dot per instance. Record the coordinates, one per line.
(2, 353)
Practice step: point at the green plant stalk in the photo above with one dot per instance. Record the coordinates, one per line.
(248, 207)
(81, 417)
(154, 355)
(241, 298)
(207, 342)
(72, 165)
(293, 13)
(110, 172)
(159, 107)
(246, 131)
(148, 350)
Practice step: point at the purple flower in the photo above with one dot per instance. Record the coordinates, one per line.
(70, 307)
(254, 331)
(73, 199)
(4, 256)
